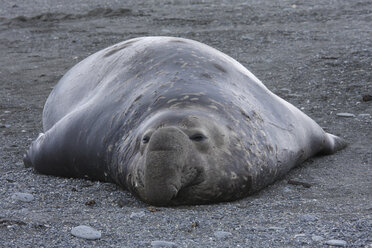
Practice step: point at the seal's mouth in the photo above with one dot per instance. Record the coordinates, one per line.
(187, 192)
(163, 198)
(168, 193)
(186, 196)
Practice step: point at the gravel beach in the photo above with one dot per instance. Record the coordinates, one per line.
(315, 54)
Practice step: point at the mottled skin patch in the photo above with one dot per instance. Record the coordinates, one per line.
(220, 68)
(118, 48)
(206, 75)
(174, 121)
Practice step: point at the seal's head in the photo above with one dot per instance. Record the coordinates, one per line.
(184, 158)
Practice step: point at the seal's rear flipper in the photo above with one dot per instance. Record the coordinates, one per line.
(26, 160)
(332, 144)
(28, 157)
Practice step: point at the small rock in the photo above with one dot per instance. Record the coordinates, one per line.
(160, 243)
(195, 224)
(222, 234)
(287, 190)
(294, 95)
(24, 197)
(122, 203)
(4, 125)
(345, 115)
(336, 242)
(137, 214)
(308, 218)
(90, 203)
(285, 90)
(85, 232)
(167, 31)
(367, 98)
(316, 238)
(247, 37)
(275, 228)
(153, 209)
(300, 235)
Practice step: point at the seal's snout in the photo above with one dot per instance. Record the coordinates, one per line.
(167, 139)
(165, 159)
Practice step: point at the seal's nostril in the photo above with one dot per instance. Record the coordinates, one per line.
(198, 137)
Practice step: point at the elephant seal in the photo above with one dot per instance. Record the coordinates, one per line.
(173, 121)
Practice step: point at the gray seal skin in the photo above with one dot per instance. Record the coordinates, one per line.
(173, 121)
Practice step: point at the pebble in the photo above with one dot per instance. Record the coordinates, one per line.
(294, 95)
(345, 115)
(137, 214)
(301, 235)
(247, 37)
(287, 190)
(222, 234)
(336, 242)
(4, 125)
(308, 218)
(24, 197)
(367, 98)
(316, 238)
(167, 31)
(275, 228)
(285, 90)
(85, 232)
(160, 243)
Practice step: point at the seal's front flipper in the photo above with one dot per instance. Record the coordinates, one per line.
(332, 144)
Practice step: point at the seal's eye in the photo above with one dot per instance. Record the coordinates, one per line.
(146, 139)
(198, 137)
